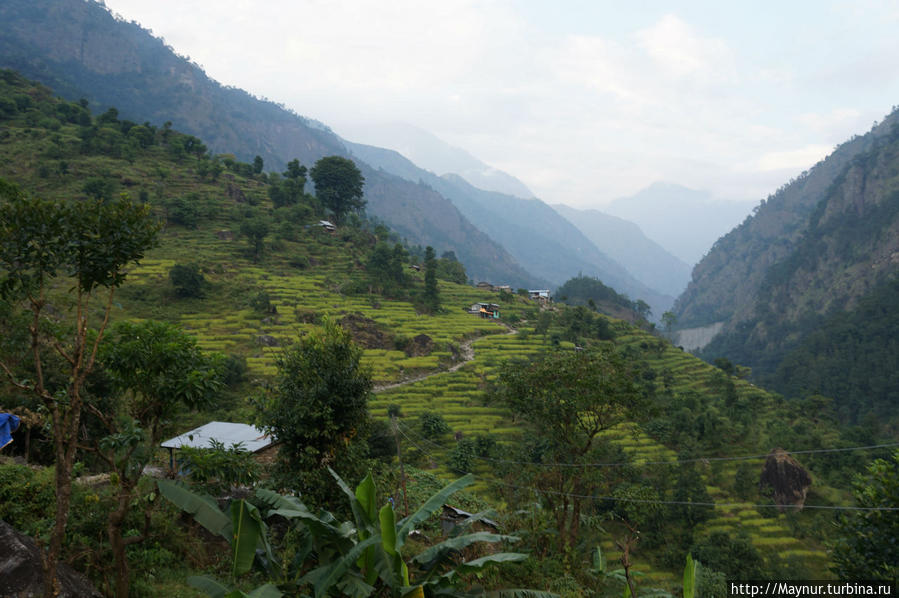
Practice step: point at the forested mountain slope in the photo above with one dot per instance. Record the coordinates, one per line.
(726, 283)
(539, 238)
(841, 270)
(80, 50)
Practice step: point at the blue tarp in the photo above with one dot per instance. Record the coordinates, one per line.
(8, 424)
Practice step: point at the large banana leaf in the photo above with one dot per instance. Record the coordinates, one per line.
(212, 587)
(279, 501)
(430, 505)
(490, 559)
(366, 495)
(247, 528)
(266, 591)
(462, 526)
(326, 577)
(366, 489)
(433, 555)
(203, 508)
(398, 571)
(690, 572)
(515, 593)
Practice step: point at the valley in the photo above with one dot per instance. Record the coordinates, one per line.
(470, 391)
(256, 299)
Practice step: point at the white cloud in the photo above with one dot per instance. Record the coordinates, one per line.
(680, 52)
(797, 159)
(582, 114)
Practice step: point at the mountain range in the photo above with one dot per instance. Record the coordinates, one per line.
(624, 241)
(686, 222)
(533, 232)
(82, 51)
(429, 152)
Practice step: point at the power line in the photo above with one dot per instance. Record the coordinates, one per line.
(696, 504)
(678, 461)
(669, 502)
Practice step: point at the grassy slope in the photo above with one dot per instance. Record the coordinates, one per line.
(224, 321)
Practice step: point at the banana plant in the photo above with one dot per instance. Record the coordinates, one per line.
(691, 572)
(243, 527)
(354, 558)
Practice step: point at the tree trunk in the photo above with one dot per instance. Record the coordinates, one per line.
(117, 541)
(65, 461)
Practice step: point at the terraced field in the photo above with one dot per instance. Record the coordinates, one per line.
(225, 321)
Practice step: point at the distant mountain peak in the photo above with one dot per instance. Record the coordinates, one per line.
(685, 221)
(429, 152)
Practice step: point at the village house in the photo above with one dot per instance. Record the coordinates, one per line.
(249, 438)
(485, 310)
(540, 295)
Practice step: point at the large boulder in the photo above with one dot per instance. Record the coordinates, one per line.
(21, 573)
(787, 478)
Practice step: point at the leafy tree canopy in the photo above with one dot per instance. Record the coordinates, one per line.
(338, 185)
(317, 408)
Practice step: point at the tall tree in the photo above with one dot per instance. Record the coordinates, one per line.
(156, 368)
(318, 409)
(432, 294)
(568, 398)
(90, 243)
(338, 185)
(255, 228)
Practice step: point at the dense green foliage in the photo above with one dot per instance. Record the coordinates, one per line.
(317, 409)
(868, 547)
(568, 399)
(850, 356)
(338, 186)
(584, 290)
(360, 558)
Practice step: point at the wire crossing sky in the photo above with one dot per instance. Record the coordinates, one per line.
(585, 101)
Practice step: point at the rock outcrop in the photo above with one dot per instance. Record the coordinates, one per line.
(21, 573)
(787, 478)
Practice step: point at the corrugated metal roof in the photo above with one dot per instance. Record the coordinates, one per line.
(227, 433)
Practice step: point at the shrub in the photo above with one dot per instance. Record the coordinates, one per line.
(182, 211)
(433, 425)
(234, 370)
(187, 280)
(461, 458)
(218, 469)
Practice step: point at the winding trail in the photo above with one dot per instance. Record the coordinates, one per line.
(467, 351)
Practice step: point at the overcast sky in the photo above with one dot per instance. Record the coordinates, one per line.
(584, 101)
